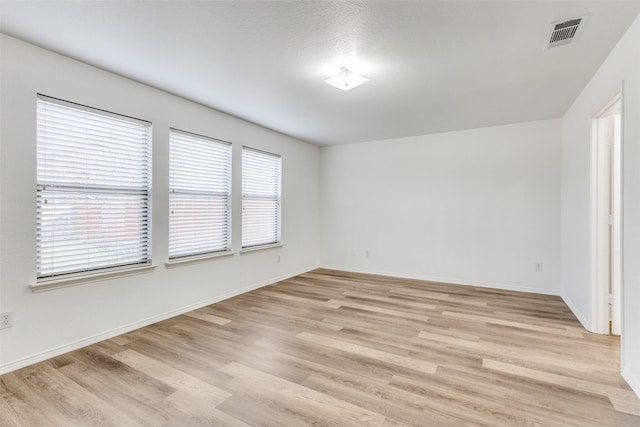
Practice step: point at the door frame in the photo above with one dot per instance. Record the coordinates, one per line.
(601, 251)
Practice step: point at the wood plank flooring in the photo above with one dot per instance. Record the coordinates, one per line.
(329, 348)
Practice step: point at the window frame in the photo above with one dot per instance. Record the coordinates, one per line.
(226, 196)
(277, 197)
(47, 187)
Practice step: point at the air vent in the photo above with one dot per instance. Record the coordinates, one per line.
(564, 32)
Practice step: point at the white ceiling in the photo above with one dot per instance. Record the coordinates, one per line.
(434, 65)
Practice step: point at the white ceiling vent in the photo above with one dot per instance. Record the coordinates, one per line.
(562, 33)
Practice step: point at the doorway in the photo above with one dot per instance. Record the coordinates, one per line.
(606, 218)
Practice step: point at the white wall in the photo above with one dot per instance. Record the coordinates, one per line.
(476, 207)
(55, 321)
(622, 65)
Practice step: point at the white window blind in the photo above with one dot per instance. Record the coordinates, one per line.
(93, 189)
(261, 176)
(200, 195)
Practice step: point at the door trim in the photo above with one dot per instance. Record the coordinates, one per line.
(599, 251)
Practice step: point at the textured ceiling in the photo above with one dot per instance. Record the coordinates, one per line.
(434, 65)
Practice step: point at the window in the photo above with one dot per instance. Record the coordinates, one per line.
(93, 190)
(260, 198)
(200, 195)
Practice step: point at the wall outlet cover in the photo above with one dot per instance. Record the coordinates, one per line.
(6, 319)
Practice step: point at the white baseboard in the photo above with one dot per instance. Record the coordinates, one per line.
(581, 317)
(57, 351)
(449, 281)
(633, 381)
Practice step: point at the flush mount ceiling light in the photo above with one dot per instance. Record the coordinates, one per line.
(346, 79)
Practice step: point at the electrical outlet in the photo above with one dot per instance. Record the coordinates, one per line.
(6, 319)
(278, 258)
(366, 252)
(539, 266)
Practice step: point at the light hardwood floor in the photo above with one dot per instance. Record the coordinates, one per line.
(339, 349)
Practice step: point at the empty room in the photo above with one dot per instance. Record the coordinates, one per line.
(327, 213)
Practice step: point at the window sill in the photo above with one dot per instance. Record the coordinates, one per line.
(196, 258)
(260, 248)
(48, 285)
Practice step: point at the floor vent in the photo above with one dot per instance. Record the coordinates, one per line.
(564, 32)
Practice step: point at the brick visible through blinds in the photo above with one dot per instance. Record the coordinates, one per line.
(200, 195)
(261, 204)
(93, 189)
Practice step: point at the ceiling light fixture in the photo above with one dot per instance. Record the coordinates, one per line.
(346, 79)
